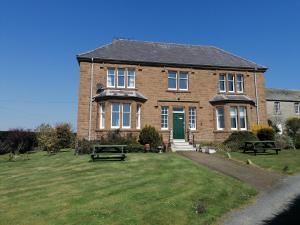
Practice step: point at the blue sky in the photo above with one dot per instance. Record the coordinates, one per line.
(40, 39)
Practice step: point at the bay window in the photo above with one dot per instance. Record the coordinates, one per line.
(102, 116)
(126, 112)
(220, 118)
(111, 77)
(138, 116)
(233, 118)
(192, 118)
(243, 117)
(115, 115)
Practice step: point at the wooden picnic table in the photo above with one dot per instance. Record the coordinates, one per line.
(260, 146)
(108, 152)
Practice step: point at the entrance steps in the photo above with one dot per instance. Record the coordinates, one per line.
(181, 145)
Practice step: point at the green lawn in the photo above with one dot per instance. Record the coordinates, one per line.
(289, 158)
(144, 189)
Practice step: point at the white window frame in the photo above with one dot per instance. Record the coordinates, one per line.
(233, 82)
(130, 76)
(138, 116)
(102, 116)
(218, 118)
(240, 82)
(123, 126)
(124, 75)
(111, 116)
(236, 117)
(297, 108)
(172, 78)
(276, 108)
(223, 81)
(114, 79)
(192, 110)
(245, 117)
(187, 80)
(162, 120)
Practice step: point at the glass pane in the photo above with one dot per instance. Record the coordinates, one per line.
(115, 107)
(233, 117)
(115, 119)
(183, 75)
(172, 83)
(126, 108)
(130, 72)
(126, 119)
(222, 85)
(183, 84)
(172, 74)
(111, 71)
(111, 80)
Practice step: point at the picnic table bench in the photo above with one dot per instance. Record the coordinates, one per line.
(260, 146)
(108, 152)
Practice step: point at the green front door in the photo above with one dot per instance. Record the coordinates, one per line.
(178, 125)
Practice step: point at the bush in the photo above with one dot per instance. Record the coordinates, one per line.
(293, 127)
(297, 141)
(149, 135)
(4, 148)
(266, 134)
(64, 135)
(20, 141)
(256, 127)
(236, 140)
(84, 146)
(284, 141)
(47, 138)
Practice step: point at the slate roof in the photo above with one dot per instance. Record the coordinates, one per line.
(273, 94)
(232, 98)
(120, 94)
(167, 54)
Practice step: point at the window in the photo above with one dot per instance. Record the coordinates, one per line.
(164, 117)
(192, 118)
(233, 118)
(115, 115)
(220, 118)
(240, 83)
(138, 117)
(230, 81)
(222, 83)
(121, 78)
(172, 80)
(111, 77)
(130, 78)
(276, 108)
(183, 81)
(102, 116)
(296, 107)
(126, 108)
(243, 118)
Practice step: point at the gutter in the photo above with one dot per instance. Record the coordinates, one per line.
(91, 99)
(256, 97)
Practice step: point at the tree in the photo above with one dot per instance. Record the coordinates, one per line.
(47, 138)
(64, 135)
(293, 128)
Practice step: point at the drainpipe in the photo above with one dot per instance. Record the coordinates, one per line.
(91, 98)
(256, 97)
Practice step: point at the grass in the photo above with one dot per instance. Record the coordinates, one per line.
(144, 189)
(287, 161)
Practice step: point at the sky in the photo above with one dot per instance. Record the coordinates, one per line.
(39, 41)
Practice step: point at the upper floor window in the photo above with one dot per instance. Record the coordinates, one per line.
(220, 118)
(172, 80)
(121, 78)
(192, 118)
(243, 117)
(230, 80)
(222, 83)
(233, 118)
(276, 107)
(183, 81)
(111, 77)
(164, 117)
(297, 108)
(126, 112)
(240, 83)
(130, 78)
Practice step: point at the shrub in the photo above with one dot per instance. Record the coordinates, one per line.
(47, 138)
(284, 141)
(134, 148)
(20, 141)
(64, 135)
(84, 146)
(4, 147)
(266, 134)
(149, 135)
(293, 127)
(237, 139)
(297, 141)
(256, 127)
(274, 126)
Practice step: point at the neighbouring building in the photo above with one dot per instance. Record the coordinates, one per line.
(181, 90)
(281, 105)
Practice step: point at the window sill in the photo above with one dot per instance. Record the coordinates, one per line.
(121, 129)
(178, 91)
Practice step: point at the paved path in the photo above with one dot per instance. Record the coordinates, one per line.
(259, 178)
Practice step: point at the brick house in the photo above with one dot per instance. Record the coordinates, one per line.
(281, 105)
(183, 91)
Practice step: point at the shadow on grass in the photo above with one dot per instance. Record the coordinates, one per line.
(290, 216)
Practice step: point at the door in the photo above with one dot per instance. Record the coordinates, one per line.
(178, 125)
